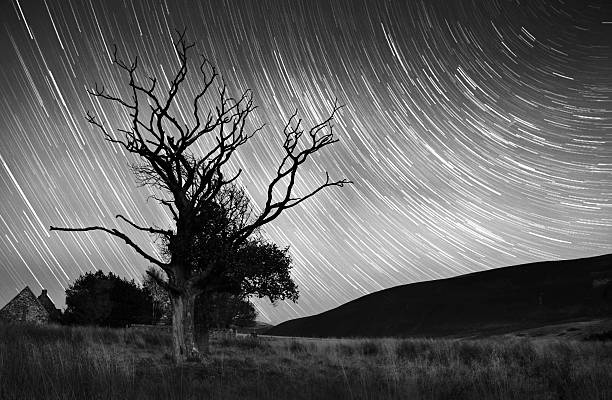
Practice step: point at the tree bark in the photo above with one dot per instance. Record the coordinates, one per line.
(183, 333)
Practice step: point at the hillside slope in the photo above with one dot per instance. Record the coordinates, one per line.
(482, 303)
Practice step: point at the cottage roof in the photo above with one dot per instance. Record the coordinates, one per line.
(24, 307)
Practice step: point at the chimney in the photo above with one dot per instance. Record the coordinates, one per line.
(44, 292)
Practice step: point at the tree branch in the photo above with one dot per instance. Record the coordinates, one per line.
(118, 234)
(288, 167)
(149, 229)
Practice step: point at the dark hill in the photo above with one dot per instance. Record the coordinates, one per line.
(483, 303)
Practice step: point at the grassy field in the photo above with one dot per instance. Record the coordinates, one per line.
(94, 363)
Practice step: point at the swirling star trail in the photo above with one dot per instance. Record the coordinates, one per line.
(478, 133)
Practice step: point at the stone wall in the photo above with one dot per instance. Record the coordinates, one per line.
(222, 334)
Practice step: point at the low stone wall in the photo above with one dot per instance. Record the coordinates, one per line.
(221, 334)
(161, 328)
(218, 334)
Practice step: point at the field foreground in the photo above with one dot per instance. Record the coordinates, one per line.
(92, 363)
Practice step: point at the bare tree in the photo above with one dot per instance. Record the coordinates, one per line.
(191, 183)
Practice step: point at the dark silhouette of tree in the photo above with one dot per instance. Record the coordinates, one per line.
(194, 183)
(224, 310)
(214, 310)
(255, 268)
(106, 300)
(220, 311)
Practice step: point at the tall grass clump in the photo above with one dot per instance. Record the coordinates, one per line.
(370, 348)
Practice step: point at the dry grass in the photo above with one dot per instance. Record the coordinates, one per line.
(94, 363)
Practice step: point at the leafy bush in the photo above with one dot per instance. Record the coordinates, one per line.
(106, 300)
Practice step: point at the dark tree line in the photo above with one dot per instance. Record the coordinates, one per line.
(100, 299)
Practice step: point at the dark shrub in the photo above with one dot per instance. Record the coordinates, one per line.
(297, 347)
(412, 349)
(603, 336)
(345, 350)
(370, 348)
(106, 300)
(470, 352)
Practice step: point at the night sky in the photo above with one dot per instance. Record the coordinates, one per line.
(478, 134)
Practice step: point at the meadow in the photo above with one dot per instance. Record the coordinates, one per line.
(55, 362)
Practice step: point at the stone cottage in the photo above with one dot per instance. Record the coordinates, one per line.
(26, 307)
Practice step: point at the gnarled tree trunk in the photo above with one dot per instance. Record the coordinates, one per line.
(183, 329)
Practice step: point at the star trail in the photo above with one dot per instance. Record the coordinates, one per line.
(478, 134)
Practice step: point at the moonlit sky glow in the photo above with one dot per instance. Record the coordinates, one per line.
(478, 134)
